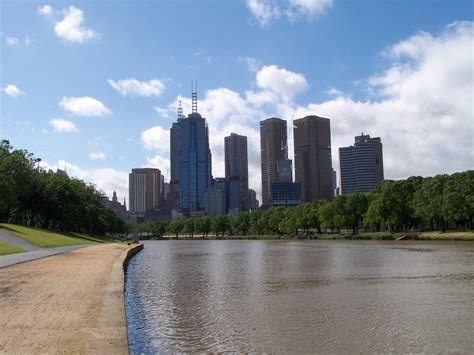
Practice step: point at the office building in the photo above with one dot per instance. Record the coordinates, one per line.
(313, 165)
(361, 164)
(236, 173)
(191, 166)
(175, 160)
(145, 189)
(216, 198)
(285, 193)
(253, 202)
(273, 147)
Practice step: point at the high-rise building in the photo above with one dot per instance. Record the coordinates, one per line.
(191, 166)
(273, 147)
(361, 164)
(285, 192)
(313, 165)
(237, 172)
(253, 202)
(216, 198)
(175, 160)
(145, 189)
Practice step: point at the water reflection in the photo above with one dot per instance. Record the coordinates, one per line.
(274, 296)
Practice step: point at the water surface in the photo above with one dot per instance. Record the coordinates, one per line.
(309, 296)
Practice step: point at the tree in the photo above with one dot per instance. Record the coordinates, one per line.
(176, 227)
(355, 207)
(242, 222)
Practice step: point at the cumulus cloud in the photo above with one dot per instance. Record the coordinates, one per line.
(156, 138)
(84, 106)
(97, 156)
(283, 82)
(267, 11)
(11, 41)
(159, 162)
(252, 64)
(13, 91)
(45, 10)
(162, 111)
(63, 126)
(70, 28)
(133, 87)
(107, 180)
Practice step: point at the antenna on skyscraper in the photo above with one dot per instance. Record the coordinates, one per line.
(194, 97)
(180, 112)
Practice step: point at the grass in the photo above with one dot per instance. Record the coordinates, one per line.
(451, 235)
(49, 239)
(6, 249)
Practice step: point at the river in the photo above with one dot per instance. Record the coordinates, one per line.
(308, 296)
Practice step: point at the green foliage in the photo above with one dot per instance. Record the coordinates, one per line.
(35, 197)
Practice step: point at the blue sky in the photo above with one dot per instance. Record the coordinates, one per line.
(95, 84)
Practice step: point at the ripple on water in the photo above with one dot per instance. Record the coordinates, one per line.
(327, 296)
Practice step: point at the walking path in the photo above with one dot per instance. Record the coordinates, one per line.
(11, 239)
(67, 303)
(39, 253)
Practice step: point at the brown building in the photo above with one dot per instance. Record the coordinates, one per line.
(273, 147)
(145, 190)
(237, 172)
(313, 164)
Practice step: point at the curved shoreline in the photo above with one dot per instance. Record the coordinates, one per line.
(67, 303)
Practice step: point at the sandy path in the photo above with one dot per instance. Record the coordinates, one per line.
(67, 303)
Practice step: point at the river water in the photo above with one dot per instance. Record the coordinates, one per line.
(308, 296)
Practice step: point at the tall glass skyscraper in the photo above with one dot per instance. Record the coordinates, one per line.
(236, 173)
(190, 161)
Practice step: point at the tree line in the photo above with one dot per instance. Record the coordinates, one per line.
(32, 196)
(441, 202)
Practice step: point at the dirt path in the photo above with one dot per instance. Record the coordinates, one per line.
(67, 303)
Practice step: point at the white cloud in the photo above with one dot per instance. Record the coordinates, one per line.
(45, 10)
(283, 82)
(63, 126)
(133, 87)
(333, 92)
(252, 64)
(11, 41)
(156, 138)
(308, 8)
(70, 27)
(164, 112)
(159, 162)
(13, 91)
(97, 156)
(84, 106)
(266, 11)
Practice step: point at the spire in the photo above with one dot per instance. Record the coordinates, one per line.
(124, 204)
(180, 112)
(114, 197)
(194, 97)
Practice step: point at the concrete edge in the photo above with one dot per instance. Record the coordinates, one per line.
(130, 254)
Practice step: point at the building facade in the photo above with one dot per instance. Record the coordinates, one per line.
(216, 198)
(361, 164)
(313, 164)
(237, 172)
(273, 147)
(253, 202)
(145, 190)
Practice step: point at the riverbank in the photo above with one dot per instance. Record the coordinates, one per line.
(434, 235)
(67, 303)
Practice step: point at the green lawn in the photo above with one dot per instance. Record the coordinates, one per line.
(451, 235)
(6, 248)
(49, 239)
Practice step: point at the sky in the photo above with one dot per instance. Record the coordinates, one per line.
(94, 86)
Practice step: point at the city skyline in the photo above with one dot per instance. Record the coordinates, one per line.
(113, 87)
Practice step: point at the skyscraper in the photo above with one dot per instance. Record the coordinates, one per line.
(191, 166)
(313, 165)
(175, 160)
(361, 164)
(145, 189)
(273, 147)
(236, 172)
